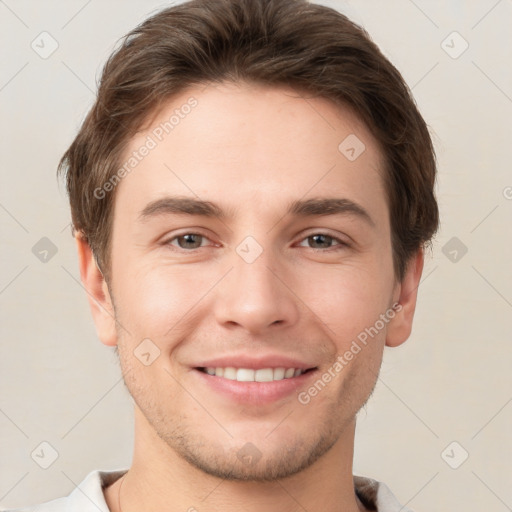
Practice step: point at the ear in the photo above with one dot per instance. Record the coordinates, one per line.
(399, 329)
(98, 294)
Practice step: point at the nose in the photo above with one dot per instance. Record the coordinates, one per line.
(256, 296)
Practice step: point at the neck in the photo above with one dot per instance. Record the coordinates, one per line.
(160, 480)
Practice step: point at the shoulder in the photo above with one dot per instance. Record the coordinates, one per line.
(57, 505)
(377, 496)
(86, 497)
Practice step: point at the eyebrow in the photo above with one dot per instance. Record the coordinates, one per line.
(301, 208)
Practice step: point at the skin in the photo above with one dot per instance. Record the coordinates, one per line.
(251, 150)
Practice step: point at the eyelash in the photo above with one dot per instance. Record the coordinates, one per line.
(340, 243)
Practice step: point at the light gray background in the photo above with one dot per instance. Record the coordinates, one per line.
(450, 382)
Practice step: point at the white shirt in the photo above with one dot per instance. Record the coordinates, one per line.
(88, 496)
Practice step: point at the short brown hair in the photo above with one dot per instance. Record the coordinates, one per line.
(295, 43)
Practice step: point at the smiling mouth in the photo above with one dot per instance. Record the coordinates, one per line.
(254, 375)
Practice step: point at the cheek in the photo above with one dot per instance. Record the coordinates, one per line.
(156, 299)
(348, 299)
(159, 299)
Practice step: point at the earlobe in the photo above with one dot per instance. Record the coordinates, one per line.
(399, 329)
(98, 294)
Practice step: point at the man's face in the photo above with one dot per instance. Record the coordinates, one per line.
(257, 288)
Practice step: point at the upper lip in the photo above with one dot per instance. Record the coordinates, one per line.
(253, 362)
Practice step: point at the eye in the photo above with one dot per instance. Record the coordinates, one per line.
(187, 241)
(192, 241)
(324, 241)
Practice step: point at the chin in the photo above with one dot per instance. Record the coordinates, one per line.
(251, 452)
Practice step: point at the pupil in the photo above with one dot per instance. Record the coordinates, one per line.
(189, 239)
(325, 237)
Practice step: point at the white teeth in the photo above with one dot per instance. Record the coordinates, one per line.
(278, 373)
(264, 375)
(244, 375)
(229, 373)
(251, 375)
(289, 373)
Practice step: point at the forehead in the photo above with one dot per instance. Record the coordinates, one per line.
(242, 144)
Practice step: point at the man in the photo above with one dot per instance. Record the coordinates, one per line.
(252, 194)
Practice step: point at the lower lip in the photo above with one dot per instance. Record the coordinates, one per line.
(256, 393)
